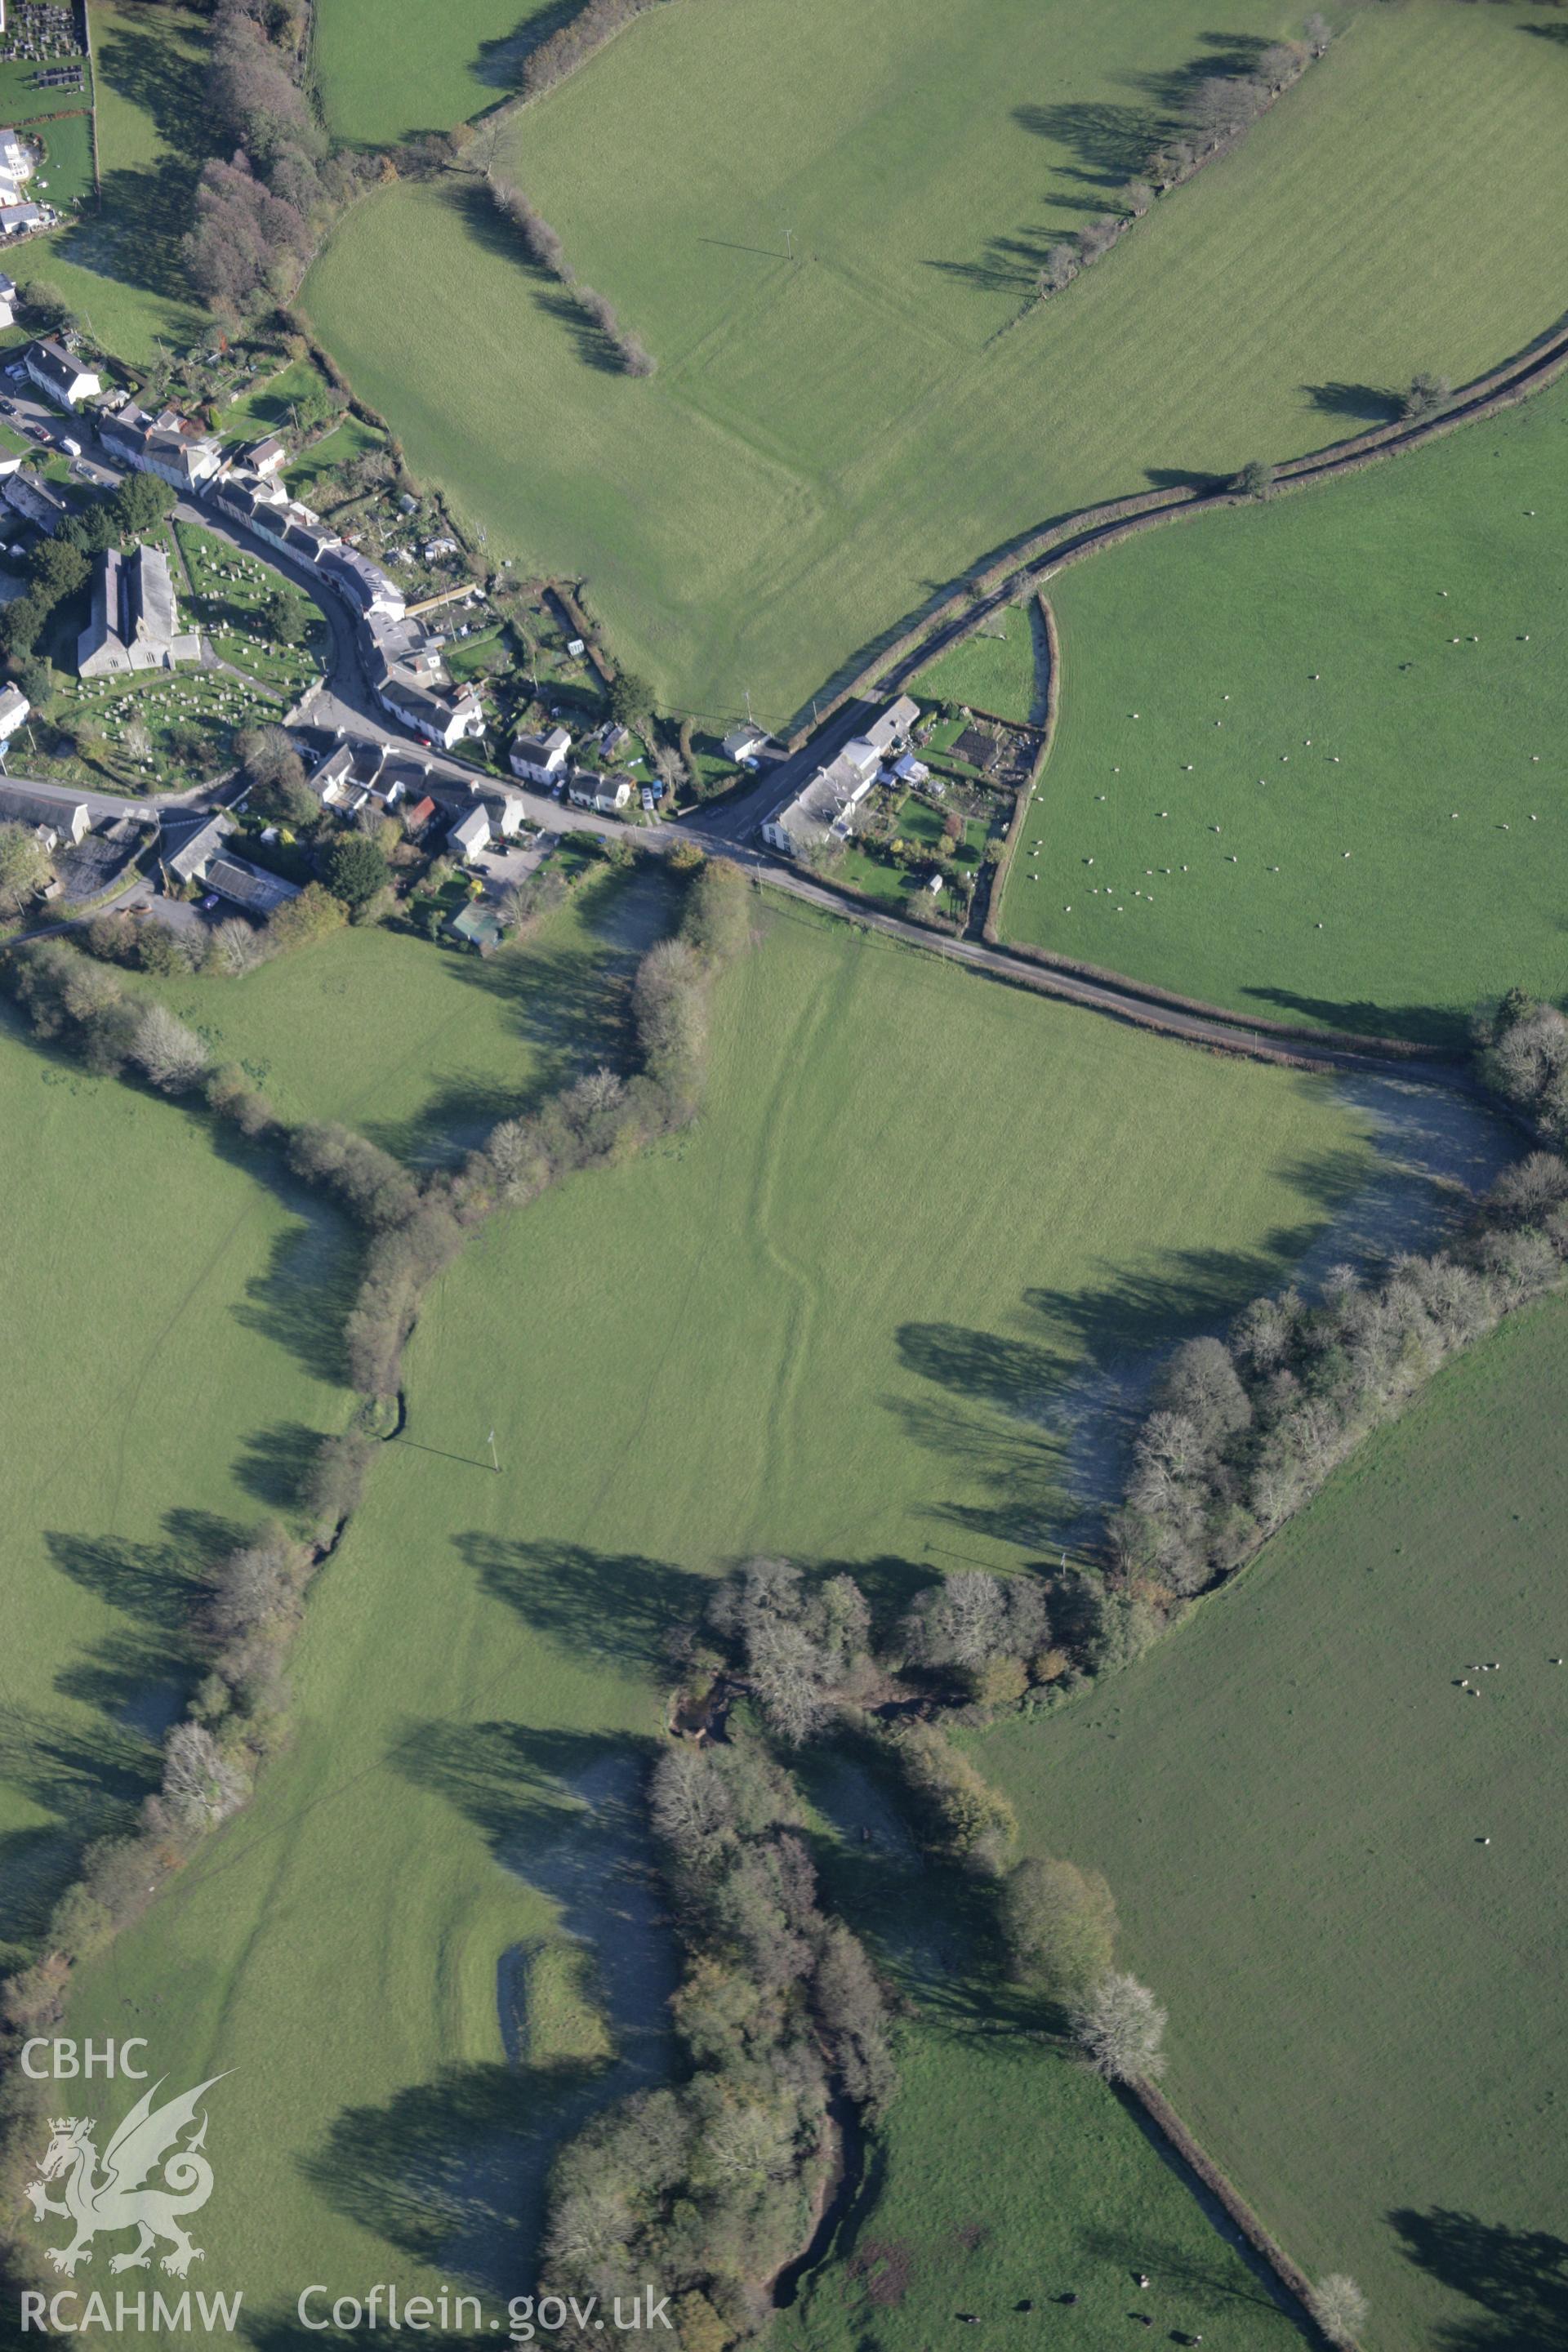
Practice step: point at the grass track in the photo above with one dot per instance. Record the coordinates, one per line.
(824, 441)
(831, 1319)
(1286, 1797)
(1427, 913)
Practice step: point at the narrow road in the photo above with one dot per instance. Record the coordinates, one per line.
(345, 703)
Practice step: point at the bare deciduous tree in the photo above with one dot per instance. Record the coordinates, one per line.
(173, 1056)
(1338, 2306)
(1120, 2026)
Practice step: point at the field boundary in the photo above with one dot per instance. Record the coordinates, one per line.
(1164, 2119)
(1032, 559)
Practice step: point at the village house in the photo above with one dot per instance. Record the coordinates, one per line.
(167, 445)
(469, 835)
(35, 501)
(824, 809)
(135, 620)
(266, 457)
(8, 300)
(365, 585)
(16, 220)
(58, 373)
(62, 820)
(609, 795)
(14, 711)
(542, 759)
(346, 777)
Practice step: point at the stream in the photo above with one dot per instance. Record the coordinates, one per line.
(1435, 1150)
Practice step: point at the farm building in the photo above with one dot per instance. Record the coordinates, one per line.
(195, 842)
(34, 499)
(248, 887)
(135, 620)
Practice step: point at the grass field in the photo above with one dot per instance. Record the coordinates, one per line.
(1286, 1797)
(389, 68)
(414, 1044)
(21, 100)
(997, 669)
(172, 1304)
(65, 176)
(124, 269)
(831, 1320)
(1320, 628)
(1078, 2203)
(829, 437)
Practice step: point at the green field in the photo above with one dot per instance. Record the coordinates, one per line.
(65, 176)
(1286, 1797)
(22, 101)
(176, 1353)
(123, 268)
(995, 669)
(1320, 628)
(831, 1319)
(389, 68)
(414, 1044)
(1005, 2175)
(829, 437)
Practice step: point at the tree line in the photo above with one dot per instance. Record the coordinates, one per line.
(574, 42)
(543, 246)
(1220, 110)
(1245, 1430)
(249, 1606)
(712, 2185)
(805, 1654)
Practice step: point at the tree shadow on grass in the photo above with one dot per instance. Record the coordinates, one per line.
(1415, 1024)
(302, 1300)
(615, 1608)
(470, 197)
(1209, 2287)
(1042, 1416)
(411, 2170)
(570, 1001)
(1367, 404)
(509, 1779)
(147, 208)
(1517, 2278)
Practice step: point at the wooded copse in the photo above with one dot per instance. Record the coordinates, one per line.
(710, 2187)
(544, 248)
(262, 205)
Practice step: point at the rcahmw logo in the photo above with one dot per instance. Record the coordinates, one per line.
(152, 2175)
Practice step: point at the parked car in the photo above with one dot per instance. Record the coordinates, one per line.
(205, 906)
(72, 448)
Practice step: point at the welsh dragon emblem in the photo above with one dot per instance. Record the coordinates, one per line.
(102, 2204)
